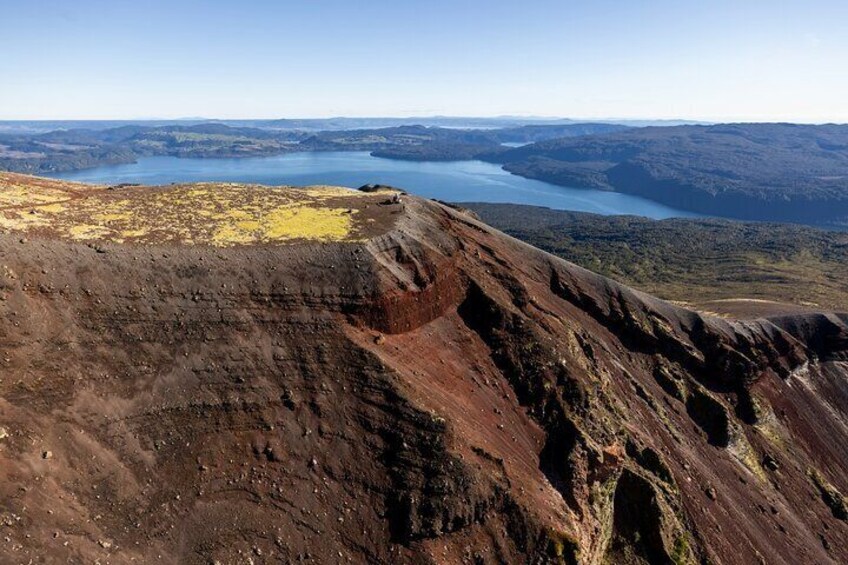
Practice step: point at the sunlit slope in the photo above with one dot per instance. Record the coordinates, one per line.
(219, 214)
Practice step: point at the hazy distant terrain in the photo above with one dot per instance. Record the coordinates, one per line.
(79, 148)
(781, 172)
(325, 124)
(773, 172)
(690, 260)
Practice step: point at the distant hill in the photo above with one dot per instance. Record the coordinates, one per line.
(460, 145)
(782, 172)
(71, 149)
(771, 172)
(697, 261)
(420, 143)
(320, 124)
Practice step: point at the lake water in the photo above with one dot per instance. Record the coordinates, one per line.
(460, 181)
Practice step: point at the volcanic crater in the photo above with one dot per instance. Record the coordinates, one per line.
(222, 373)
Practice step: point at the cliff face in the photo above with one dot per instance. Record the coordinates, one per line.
(415, 388)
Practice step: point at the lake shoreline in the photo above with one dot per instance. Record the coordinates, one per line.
(454, 181)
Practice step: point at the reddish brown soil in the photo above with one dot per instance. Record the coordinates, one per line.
(437, 393)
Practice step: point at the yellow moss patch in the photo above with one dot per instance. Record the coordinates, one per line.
(220, 214)
(14, 195)
(84, 231)
(133, 233)
(307, 223)
(51, 208)
(248, 225)
(239, 215)
(230, 234)
(15, 220)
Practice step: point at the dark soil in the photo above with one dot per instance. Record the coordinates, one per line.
(434, 393)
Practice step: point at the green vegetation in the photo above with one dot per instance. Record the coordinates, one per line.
(462, 145)
(779, 172)
(562, 547)
(682, 554)
(691, 260)
(834, 499)
(774, 172)
(72, 149)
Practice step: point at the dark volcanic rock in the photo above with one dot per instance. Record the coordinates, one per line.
(430, 392)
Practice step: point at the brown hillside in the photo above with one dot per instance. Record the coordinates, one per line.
(234, 374)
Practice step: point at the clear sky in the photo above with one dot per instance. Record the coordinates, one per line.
(697, 59)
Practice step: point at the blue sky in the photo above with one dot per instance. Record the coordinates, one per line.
(708, 59)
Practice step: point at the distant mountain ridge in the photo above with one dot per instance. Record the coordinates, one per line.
(72, 149)
(782, 172)
(774, 172)
(323, 124)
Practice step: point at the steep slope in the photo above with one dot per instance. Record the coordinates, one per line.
(744, 269)
(388, 383)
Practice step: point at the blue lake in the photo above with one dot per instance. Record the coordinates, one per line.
(460, 181)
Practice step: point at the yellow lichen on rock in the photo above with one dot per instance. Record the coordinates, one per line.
(287, 223)
(220, 214)
(229, 234)
(83, 231)
(308, 223)
(21, 221)
(131, 234)
(51, 208)
(17, 195)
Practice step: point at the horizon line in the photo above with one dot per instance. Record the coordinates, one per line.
(533, 117)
